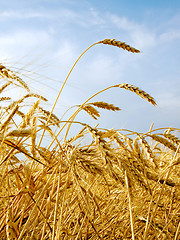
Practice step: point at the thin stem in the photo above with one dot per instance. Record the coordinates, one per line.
(130, 207)
(177, 232)
(63, 87)
(56, 205)
(72, 117)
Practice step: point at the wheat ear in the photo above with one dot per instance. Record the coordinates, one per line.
(163, 141)
(91, 111)
(172, 138)
(5, 98)
(9, 118)
(7, 73)
(138, 91)
(4, 86)
(120, 44)
(105, 105)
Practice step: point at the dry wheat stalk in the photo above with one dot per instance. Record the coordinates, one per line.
(53, 117)
(21, 114)
(25, 97)
(138, 91)
(148, 150)
(132, 162)
(5, 98)
(29, 115)
(9, 118)
(128, 184)
(125, 138)
(10, 226)
(7, 73)
(119, 44)
(108, 133)
(136, 146)
(91, 111)
(105, 151)
(34, 95)
(4, 86)
(33, 136)
(105, 105)
(163, 141)
(171, 137)
(20, 132)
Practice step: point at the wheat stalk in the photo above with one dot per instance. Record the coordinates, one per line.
(52, 116)
(4, 86)
(130, 204)
(25, 97)
(9, 118)
(7, 73)
(106, 41)
(29, 115)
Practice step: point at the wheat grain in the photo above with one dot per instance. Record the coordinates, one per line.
(120, 44)
(138, 91)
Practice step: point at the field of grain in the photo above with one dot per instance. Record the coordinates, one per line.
(99, 184)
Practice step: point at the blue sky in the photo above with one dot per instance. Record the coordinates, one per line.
(42, 39)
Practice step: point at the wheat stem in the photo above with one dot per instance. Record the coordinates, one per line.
(72, 117)
(63, 87)
(130, 207)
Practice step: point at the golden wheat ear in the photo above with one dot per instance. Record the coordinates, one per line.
(138, 91)
(105, 105)
(120, 44)
(7, 73)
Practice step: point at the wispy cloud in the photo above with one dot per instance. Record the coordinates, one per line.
(18, 43)
(170, 35)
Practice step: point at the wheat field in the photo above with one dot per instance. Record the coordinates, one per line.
(118, 184)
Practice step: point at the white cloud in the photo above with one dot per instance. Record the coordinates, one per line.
(19, 43)
(122, 22)
(170, 35)
(22, 14)
(31, 13)
(138, 33)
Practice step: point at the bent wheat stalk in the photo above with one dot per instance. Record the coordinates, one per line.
(105, 41)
